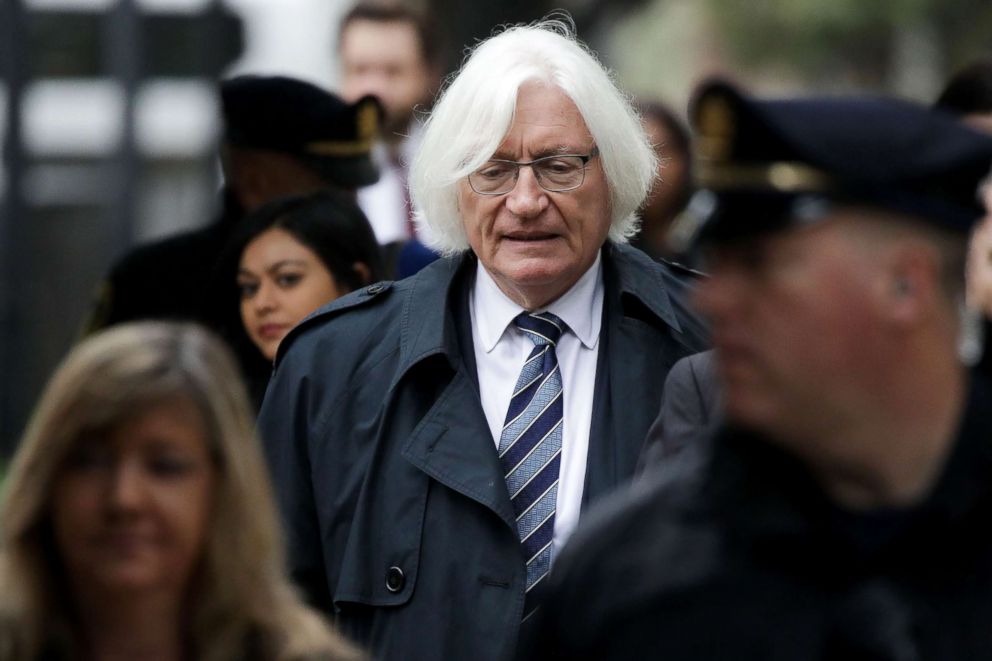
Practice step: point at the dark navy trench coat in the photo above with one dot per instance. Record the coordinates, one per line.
(398, 519)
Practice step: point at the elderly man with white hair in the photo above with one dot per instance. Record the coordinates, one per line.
(434, 441)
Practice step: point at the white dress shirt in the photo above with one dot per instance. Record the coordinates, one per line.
(500, 352)
(385, 202)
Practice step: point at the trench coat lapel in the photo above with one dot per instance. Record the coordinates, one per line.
(452, 443)
(626, 353)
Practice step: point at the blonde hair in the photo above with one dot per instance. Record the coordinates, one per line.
(476, 110)
(244, 605)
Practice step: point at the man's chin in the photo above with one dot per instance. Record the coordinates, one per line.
(535, 271)
(538, 281)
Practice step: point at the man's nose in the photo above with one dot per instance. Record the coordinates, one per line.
(527, 199)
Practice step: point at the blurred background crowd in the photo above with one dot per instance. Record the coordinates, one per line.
(110, 114)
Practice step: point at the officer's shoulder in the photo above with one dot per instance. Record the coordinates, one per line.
(161, 254)
(657, 499)
(659, 529)
(351, 308)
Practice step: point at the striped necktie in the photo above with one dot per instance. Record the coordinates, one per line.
(530, 445)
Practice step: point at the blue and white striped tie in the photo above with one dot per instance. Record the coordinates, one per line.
(530, 445)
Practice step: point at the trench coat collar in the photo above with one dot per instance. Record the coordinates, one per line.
(637, 275)
(427, 328)
(452, 442)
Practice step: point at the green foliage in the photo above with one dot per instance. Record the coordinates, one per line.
(818, 37)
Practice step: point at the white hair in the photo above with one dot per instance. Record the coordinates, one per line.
(476, 111)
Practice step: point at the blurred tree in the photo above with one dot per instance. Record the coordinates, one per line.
(467, 23)
(965, 27)
(845, 43)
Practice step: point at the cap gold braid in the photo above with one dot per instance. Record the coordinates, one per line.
(717, 171)
(366, 127)
(784, 177)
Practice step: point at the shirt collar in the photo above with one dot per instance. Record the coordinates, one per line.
(581, 307)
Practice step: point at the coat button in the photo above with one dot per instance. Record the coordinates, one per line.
(372, 290)
(395, 579)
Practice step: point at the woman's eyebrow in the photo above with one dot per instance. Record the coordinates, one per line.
(285, 262)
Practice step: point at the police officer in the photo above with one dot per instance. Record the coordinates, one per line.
(281, 136)
(842, 510)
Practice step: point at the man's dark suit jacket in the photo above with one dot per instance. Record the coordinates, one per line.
(387, 475)
(690, 410)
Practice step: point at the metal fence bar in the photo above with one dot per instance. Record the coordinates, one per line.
(13, 60)
(124, 60)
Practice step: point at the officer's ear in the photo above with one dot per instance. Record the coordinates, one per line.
(902, 286)
(913, 282)
(245, 178)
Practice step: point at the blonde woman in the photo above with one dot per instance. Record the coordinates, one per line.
(137, 519)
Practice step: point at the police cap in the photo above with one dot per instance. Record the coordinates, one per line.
(282, 114)
(768, 164)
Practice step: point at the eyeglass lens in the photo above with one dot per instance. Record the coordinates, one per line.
(553, 173)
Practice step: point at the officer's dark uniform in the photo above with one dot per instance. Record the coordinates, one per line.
(175, 278)
(734, 551)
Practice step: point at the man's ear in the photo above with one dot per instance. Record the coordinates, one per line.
(363, 271)
(913, 284)
(902, 286)
(249, 180)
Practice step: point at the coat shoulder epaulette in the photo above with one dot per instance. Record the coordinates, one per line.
(356, 299)
(682, 269)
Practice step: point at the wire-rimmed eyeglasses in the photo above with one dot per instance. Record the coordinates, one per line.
(556, 174)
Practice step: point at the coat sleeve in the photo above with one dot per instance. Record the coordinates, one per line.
(688, 409)
(284, 425)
